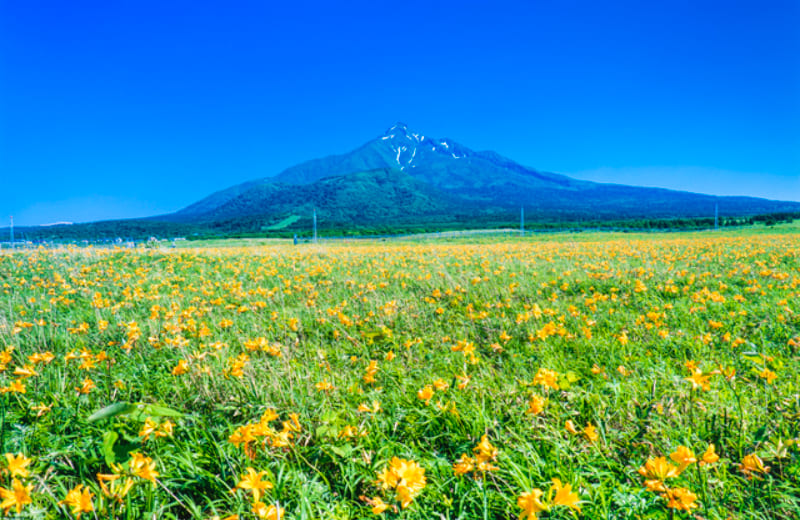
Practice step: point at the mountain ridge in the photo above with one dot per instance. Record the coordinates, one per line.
(473, 182)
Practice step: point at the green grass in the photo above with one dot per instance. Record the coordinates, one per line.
(561, 302)
(288, 221)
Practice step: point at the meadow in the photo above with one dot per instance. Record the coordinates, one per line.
(592, 376)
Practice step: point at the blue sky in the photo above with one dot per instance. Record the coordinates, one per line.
(134, 108)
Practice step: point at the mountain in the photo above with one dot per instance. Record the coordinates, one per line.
(406, 175)
(403, 180)
(440, 163)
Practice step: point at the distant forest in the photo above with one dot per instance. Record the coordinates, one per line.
(142, 229)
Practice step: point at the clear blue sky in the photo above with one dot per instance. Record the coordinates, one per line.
(113, 109)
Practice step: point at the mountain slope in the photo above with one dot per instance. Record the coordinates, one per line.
(368, 196)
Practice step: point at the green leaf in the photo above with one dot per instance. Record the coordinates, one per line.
(137, 411)
(342, 451)
(153, 410)
(109, 438)
(372, 334)
(112, 410)
(755, 358)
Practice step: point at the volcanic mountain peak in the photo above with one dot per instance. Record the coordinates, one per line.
(406, 146)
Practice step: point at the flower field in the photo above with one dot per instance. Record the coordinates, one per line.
(647, 377)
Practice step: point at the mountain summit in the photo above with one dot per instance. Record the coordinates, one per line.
(410, 174)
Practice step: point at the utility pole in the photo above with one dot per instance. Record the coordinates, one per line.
(716, 217)
(522, 221)
(315, 225)
(12, 230)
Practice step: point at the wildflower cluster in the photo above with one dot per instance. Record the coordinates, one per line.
(485, 455)
(405, 477)
(261, 434)
(659, 472)
(253, 481)
(559, 494)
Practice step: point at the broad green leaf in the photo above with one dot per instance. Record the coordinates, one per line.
(109, 438)
(112, 410)
(342, 451)
(153, 410)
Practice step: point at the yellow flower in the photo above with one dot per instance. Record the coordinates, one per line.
(80, 500)
(405, 476)
(411, 481)
(348, 432)
(699, 380)
(769, 375)
(324, 386)
(17, 465)
(25, 372)
(18, 386)
(378, 505)
(86, 386)
(267, 512)
(484, 450)
(366, 408)
(710, 456)
(252, 480)
(565, 496)
(43, 357)
(118, 488)
(463, 381)
(425, 394)
(464, 465)
(683, 456)
(530, 504)
(656, 471)
(535, 405)
(166, 429)
(17, 497)
(371, 370)
(294, 324)
(680, 498)
(148, 428)
(570, 427)
(752, 464)
(181, 368)
(590, 433)
(143, 467)
(41, 409)
(441, 385)
(545, 377)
